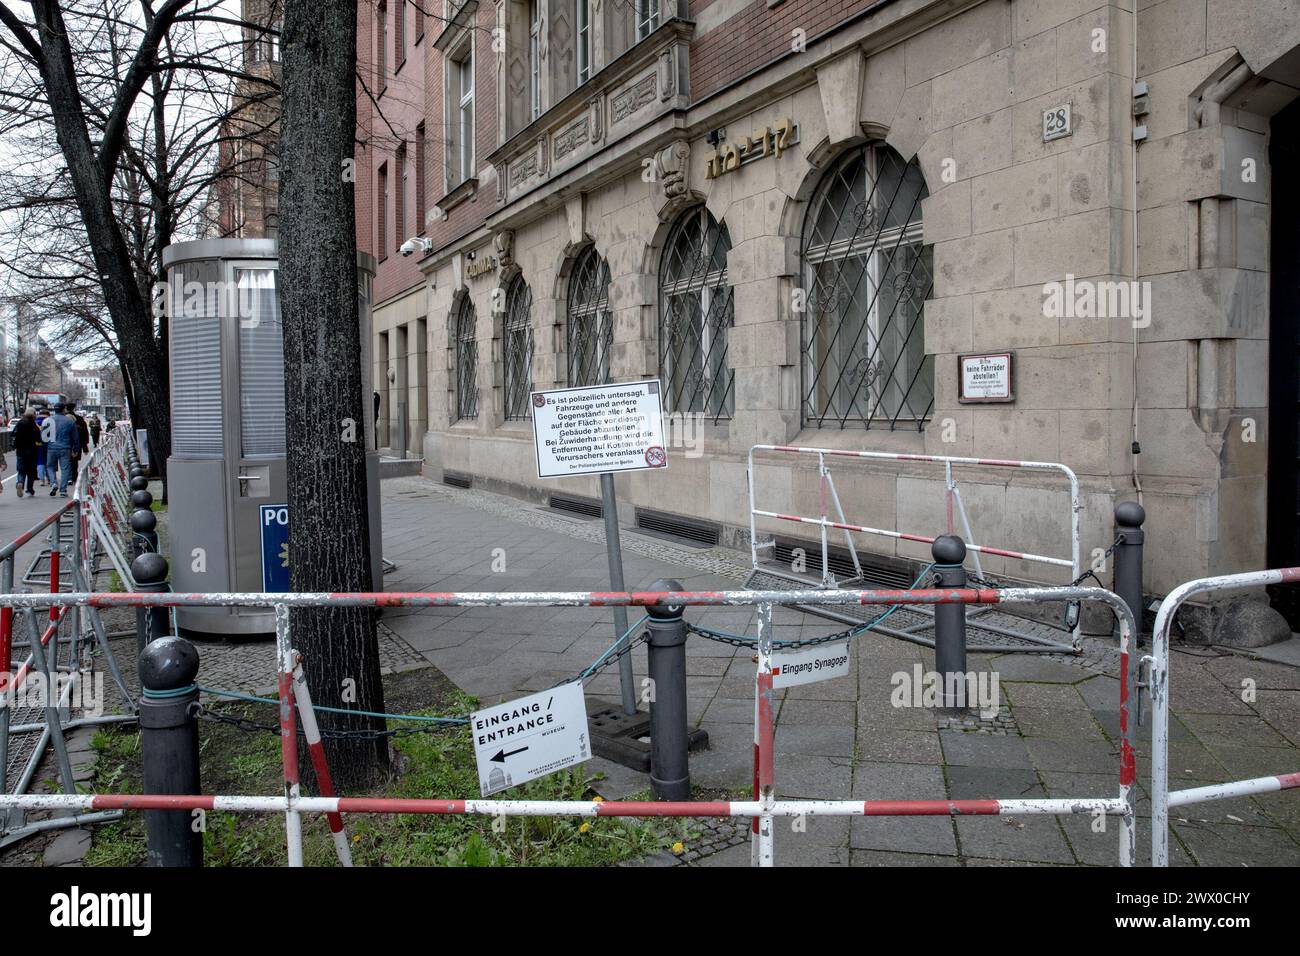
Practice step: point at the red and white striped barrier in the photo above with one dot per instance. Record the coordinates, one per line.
(764, 807)
(316, 748)
(1111, 806)
(956, 509)
(1161, 798)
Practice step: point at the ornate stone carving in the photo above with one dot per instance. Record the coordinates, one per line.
(667, 75)
(570, 138)
(594, 119)
(673, 168)
(524, 169)
(632, 99)
(543, 158)
(503, 243)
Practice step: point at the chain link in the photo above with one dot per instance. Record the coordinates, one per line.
(736, 640)
(246, 725)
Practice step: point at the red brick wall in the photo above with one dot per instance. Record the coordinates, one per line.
(757, 35)
(390, 119)
(470, 214)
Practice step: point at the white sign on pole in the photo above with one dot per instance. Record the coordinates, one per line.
(807, 665)
(530, 737)
(599, 429)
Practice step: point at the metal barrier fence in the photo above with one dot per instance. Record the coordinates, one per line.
(764, 808)
(955, 508)
(1161, 797)
(78, 531)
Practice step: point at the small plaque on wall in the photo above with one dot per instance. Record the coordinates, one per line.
(985, 378)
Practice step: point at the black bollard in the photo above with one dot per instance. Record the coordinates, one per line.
(151, 623)
(1129, 518)
(949, 553)
(144, 534)
(169, 748)
(139, 483)
(141, 499)
(670, 774)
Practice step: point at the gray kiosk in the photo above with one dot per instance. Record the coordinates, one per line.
(228, 520)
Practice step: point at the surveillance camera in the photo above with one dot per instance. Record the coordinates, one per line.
(415, 244)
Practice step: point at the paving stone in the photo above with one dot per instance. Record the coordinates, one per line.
(1040, 668)
(816, 739)
(813, 778)
(1030, 838)
(825, 712)
(932, 835)
(1217, 844)
(983, 750)
(899, 746)
(1059, 725)
(1054, 697)
(1078, 755)
(1233, 731)
(992, 783)
(885, 858)
(69, 848)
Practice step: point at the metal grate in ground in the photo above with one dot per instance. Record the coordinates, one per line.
(987, 630)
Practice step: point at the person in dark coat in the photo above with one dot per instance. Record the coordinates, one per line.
(83, 438)
(27, 438)
(41, 450)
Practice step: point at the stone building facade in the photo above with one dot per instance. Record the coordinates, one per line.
(800, 216)
(243, 201)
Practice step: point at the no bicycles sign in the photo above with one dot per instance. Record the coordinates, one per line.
(599, 429)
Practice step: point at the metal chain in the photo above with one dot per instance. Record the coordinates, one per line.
(252, 726)
(738, 641)
(1119, 539)
(199, 712)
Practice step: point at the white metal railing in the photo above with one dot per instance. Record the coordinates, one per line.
(1161, 797)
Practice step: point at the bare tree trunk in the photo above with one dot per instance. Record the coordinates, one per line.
(132, 320)
(324, 415)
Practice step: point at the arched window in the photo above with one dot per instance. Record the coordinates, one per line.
(866, 276)
(695, 312)
(463, 325)
(591, 327)
(518, 348)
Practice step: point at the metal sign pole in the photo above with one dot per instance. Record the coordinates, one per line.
(614, 550)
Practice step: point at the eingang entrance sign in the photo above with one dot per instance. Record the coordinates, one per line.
(599, 429)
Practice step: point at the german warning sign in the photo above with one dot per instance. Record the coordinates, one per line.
(599, 429)
(807, 665)
(530, 737)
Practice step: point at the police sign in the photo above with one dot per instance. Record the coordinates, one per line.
(273, 521)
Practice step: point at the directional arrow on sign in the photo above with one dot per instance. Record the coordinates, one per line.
(501, 755)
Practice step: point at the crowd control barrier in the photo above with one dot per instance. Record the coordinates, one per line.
(765, 807)
(79, 537)
(1158, 681)
(956, 512)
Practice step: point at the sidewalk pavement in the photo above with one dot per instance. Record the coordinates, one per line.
(1056, 734)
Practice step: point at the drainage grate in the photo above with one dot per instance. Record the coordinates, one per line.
(457, 479)
(691, 530)
(877, 570)
(586, 507)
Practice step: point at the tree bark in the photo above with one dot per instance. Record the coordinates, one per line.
(329, 537)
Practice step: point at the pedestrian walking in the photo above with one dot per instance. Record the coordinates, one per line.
(95, 427)
(62, 439)
(42, 450)
(27, 440)
(83, 437)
